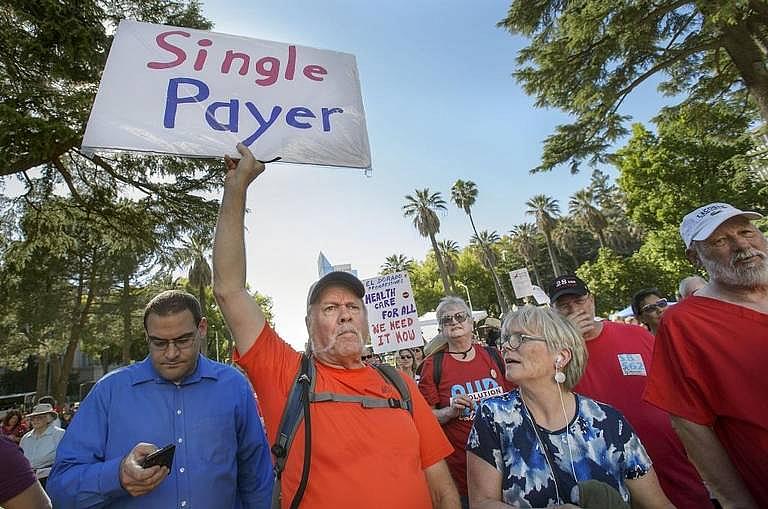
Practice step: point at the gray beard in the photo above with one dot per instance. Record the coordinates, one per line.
(749, 278)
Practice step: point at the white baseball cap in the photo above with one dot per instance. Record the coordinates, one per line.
(699, 224)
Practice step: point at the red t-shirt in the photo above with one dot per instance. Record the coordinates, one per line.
(372, 458)
(616, 373)
(16, 474)
(708, 368)
(479, 379)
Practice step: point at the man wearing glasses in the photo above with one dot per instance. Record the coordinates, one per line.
(175, 396)
(648, 305)
(711, 352)
(619, 357)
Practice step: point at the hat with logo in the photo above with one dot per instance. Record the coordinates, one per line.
(567, 284)
(699, 224)
(335, 278)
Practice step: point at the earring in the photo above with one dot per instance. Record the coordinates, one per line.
(559, 375)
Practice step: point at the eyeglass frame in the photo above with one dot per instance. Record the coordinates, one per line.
(188, 342)
(655, 306)
(524, 338)
(458, 317)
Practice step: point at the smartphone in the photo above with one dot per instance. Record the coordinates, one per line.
(162, 457)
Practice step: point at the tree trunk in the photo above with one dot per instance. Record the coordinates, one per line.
(41, 387)
(448, 289)
(201, 298)
(125, 355)
(551, 253)
(500, 295)
(749, 59)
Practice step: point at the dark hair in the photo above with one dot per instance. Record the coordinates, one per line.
(639, 296)
(171, 302)
(11, 413)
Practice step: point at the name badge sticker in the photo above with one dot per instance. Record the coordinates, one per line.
(632, 364)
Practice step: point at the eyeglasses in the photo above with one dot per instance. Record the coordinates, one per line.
(515, 340)
(182, 343)
(659, 304)
(459, 317)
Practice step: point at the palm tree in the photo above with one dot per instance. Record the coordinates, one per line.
(396, 263)
(545, 209)
(464, 195)
(565, 235)
(524, 237)
(582, 208)
(423, 209)
(449, 250)
(484, 240)
(194, 255)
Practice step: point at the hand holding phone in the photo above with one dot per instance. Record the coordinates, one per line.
(162, 457)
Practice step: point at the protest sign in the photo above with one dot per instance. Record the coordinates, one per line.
(196, 93)
(392, 316)
(521, 283)
(540, 296)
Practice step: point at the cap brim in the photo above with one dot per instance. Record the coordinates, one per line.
(704, 233)
(567, 291)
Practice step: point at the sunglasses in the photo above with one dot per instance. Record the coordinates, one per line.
(367, 357)
(404, 357)
(659, 304)
(459, 317)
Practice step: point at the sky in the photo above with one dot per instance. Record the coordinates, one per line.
(441, 105)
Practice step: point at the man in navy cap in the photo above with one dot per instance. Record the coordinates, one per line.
(617, 367)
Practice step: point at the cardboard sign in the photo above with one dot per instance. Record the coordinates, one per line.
(540, 296)
(190, 92)
(392, 315)
(521, 283)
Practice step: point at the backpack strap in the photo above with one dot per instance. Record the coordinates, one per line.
(393, 377)
(296, 409)
(494, 353)
(437, 373)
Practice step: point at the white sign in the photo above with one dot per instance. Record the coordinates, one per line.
(196, 93)
(521, 283)
(392, 315)
(540, 296)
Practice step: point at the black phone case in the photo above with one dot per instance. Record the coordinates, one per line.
(162, 457)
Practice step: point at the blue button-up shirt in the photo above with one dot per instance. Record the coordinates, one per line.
(222, 458)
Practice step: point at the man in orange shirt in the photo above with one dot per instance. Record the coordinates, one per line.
(360, 457)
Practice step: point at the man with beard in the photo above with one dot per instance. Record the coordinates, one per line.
(711, 350)
(358, 456)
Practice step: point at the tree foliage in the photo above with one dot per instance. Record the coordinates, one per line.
(586, 57)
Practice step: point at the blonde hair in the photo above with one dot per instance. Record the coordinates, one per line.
(558, 331)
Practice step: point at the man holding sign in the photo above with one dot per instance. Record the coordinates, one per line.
(359, 457)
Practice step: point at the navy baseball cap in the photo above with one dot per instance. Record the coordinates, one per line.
(567, 284)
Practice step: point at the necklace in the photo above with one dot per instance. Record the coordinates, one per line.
(464, 353)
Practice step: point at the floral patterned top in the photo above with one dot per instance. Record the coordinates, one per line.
(603, 444)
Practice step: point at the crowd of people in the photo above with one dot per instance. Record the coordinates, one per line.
(554, 407)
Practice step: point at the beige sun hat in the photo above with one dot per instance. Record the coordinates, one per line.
(42, 409)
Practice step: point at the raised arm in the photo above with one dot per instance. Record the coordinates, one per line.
(709, 457)
(243, 315)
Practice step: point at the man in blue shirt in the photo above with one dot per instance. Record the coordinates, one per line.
(174, 396)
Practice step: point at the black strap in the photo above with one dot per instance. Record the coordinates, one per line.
(307, 449)
(494, 353)
(391, 375)
(438, 365)
(437, 374)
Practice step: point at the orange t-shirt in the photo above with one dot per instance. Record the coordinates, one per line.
(360, 457)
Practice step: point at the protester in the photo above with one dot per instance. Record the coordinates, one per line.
(370, 357)
(19, 489)
(359, 457)
(619, 356)
(49, 400)
(14, 426)
(418, 355)
(533, 446)
(453, 380)
(711, 353)
(648, 305)
(690, 285)
(39, 444)
(174, 396)
(406, 362)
